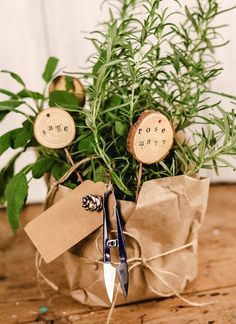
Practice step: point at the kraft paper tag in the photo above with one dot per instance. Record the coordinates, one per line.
(65, 223)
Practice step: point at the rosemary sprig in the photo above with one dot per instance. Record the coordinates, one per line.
(145, 59)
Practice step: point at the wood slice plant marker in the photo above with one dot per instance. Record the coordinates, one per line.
(59, 84)
(150, 140)
(54, 128)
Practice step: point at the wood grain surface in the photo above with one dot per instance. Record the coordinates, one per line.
(151, 137)
(20, 299)
(54, 128)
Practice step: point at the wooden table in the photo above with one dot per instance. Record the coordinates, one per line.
(20, 300)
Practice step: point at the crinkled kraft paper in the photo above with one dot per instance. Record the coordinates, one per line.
(168, 215)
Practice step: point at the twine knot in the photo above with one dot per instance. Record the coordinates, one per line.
(54, 183)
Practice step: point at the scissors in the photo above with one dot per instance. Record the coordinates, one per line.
(109, 270)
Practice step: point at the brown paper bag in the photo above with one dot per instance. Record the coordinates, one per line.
(161, 233)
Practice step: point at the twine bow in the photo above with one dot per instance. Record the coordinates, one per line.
(134, 263)
(143, 262)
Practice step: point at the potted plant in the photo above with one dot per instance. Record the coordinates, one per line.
(141, 63)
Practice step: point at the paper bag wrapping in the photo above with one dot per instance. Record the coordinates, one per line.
(167, 216)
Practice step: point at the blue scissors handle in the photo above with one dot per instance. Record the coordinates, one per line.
(106, 227)
(122, 269)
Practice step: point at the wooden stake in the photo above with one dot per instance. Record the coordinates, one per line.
(69, 158)
(140, 171)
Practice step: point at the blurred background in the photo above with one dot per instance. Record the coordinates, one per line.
(31, 31)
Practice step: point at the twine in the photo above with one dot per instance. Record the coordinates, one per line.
(47, 204)
(133, 262)
(55, 183)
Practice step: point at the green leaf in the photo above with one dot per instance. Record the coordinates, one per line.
(215, 167)
(70, 184)
(5, 141)
(120, 184)
(143, 35)
(87, 145)
(10, 105)
(59, 169)
(15, 77)
(191, 18)
(25, 93)
(3, 115)
(22, 135)
(62, 99)
(101, 60)
(100, 174)
(87, 171)
(42, 166)
(50, 69)
(5, 175)
(113, 101)
(16, 194)
(69, 83)
(226, 163)
(121, 128)
(7, 92)
(179, 54)
(32, 143)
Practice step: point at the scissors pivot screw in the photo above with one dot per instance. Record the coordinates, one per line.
(113, 243)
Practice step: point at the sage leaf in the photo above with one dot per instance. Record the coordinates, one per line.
(16, 194)
(15, 77)
(3, 114)
(5, 176)
(25, 93)
(23, 135)
(87, 145)
(59, 169)
(62, 99)
(121, 128)
(10, 105)
(7, 92)
(50, 69)
(5, 141)
(42, 166)
(100, 174)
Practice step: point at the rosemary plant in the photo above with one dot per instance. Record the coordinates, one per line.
(142, 62)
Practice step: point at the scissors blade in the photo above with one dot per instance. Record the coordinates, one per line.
(109, 277)
(122, 272)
